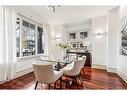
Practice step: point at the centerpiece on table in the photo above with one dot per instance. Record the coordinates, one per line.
(64, 47)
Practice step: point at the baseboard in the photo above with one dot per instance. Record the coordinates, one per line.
(112, 70)
(99, 66)
(18, 74)
(124, 77)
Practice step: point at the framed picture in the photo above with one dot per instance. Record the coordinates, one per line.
(81, 45)
(123, 46)
(74, 45)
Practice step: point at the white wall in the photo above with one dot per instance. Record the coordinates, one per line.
(99, 44)
(57, 35)
(78, 27)
(113, 33)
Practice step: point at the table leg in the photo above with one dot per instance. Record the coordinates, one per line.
(60, 82)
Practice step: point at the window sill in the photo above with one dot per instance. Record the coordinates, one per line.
(29, 57)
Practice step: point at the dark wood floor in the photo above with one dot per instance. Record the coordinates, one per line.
(93, 79)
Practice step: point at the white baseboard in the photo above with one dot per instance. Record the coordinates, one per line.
(18, 74)
(124, 77)
(99, 66)
(112, 70)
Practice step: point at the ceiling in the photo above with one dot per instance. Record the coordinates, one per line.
(67, 14)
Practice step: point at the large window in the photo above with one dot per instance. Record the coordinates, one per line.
(18, 37)
(40, 40)
(29, 38)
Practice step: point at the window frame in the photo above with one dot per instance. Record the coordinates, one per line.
(37, 24)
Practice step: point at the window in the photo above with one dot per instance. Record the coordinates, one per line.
(40, 40)
(29, 38)
(18, 37)
(83, 34)
(72, 35)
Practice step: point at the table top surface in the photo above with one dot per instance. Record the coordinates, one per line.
(57, 60)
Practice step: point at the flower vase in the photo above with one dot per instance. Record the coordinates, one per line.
(64, 54)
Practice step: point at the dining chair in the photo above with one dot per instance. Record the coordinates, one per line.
(82, 70)
(45, 74)
(74, 70)
(71, 56)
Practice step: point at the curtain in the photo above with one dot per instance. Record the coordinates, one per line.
(7, 43)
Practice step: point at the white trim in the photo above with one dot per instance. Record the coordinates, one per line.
(99, 66)
(123, 76)
(18, 74)
(21, 73)
(112, 70)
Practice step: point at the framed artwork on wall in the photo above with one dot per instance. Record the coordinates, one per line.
(81, 45)
(74, 45)
(123, 45)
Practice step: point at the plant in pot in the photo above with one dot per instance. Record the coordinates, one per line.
(64, 47)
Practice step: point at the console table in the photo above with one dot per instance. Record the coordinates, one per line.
(87, 54)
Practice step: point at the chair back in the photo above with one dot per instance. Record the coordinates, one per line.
(72, 56)
(84, 61)
(76, 68)
(44, 73)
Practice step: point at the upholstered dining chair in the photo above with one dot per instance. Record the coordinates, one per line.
(82, 70)
(73, 70)
(84, 61)
(45, 74)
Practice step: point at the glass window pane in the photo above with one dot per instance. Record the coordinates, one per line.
(32, 26)
(72, 35)
(28, 40)
(25, 23)
(40, 41)
(18, 37)
(83, 34)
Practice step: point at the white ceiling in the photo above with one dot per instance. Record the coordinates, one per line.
(67, 14)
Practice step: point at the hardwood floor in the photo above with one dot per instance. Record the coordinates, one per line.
(93, 79)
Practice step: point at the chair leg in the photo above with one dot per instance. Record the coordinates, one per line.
(55, 85)
(36, 85)
(82, 74)
(49, 86)
(76, 80)
(60, 82)
(80, 78)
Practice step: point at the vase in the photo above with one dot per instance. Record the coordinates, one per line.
(64, 55)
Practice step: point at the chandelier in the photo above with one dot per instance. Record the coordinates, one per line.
(53, 7)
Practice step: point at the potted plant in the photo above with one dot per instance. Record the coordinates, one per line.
(64, 47)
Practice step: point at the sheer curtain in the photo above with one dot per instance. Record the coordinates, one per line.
(7, 43)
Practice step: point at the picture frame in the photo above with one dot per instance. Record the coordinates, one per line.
(123, 45)
(81, 45)
(74, 45)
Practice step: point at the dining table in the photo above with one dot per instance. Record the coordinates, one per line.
(58, 62)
